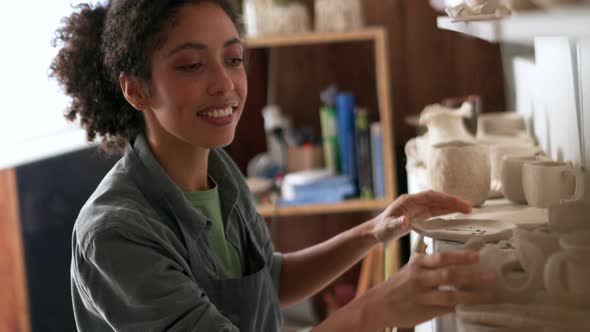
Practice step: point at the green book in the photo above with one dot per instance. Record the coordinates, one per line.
(329, 124)
(363, 150)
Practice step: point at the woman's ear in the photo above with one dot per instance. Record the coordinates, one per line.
(135, 92)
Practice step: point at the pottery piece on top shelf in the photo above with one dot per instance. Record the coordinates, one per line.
(548, 183)
(461, 169)
(338, 15)
(461, 230)
(265, 18)
(475, 8)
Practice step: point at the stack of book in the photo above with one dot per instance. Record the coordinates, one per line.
(353, 146)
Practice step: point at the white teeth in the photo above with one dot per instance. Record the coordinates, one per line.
(218, 113)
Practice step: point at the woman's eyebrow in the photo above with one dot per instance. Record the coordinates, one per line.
(201, 46)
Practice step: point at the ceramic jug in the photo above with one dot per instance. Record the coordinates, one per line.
(461, 169)
(446, 124)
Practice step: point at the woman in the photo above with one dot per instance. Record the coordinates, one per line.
(170, 240)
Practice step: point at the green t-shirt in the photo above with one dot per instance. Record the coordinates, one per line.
(207, 202)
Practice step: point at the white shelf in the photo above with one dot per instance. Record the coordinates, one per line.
(573, 22)
(69, 139)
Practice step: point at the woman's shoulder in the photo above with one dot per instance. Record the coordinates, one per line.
(117, 204)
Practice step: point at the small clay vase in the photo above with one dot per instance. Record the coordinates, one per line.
(461, 169)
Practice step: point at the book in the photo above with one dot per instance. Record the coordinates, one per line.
(345, 107)
(377, 160)
(329, 126)
(332, 189)
(363, 148)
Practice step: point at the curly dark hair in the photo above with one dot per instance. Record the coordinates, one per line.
(100, 43)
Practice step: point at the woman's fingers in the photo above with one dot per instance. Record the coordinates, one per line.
(449, 299)
(443, 203)
(448, 258)
(460, 278)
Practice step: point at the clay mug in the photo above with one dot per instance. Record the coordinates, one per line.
(461, 169)
(511, 177)
(567, 273)
(501, 150)
(569, 217)
(548, 183)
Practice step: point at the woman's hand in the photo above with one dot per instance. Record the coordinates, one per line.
(395, 221)
(430, 286)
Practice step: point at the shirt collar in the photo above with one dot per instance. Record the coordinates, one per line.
(164, 194)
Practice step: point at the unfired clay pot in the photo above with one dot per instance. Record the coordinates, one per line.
(461, 169)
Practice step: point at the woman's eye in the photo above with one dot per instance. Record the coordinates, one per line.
(191, 67)
(234, 61)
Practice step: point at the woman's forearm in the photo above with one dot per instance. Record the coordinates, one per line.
(361, 314)
(307, 271)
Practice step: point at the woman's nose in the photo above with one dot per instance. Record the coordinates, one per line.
(220, 80)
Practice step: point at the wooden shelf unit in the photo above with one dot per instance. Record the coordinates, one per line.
(378, 36)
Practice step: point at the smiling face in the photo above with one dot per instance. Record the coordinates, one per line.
(198, 86)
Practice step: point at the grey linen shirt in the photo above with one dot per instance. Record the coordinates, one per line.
(130, 269)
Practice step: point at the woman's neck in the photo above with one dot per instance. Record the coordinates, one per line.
(185, 164)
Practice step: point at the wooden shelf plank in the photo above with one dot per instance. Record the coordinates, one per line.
(367, 34)
(573, 22)
(267, 210)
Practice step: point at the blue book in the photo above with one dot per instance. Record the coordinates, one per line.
(329, 190)
(345, 106)
(377, 160)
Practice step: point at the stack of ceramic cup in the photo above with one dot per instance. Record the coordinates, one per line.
(544, 283)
